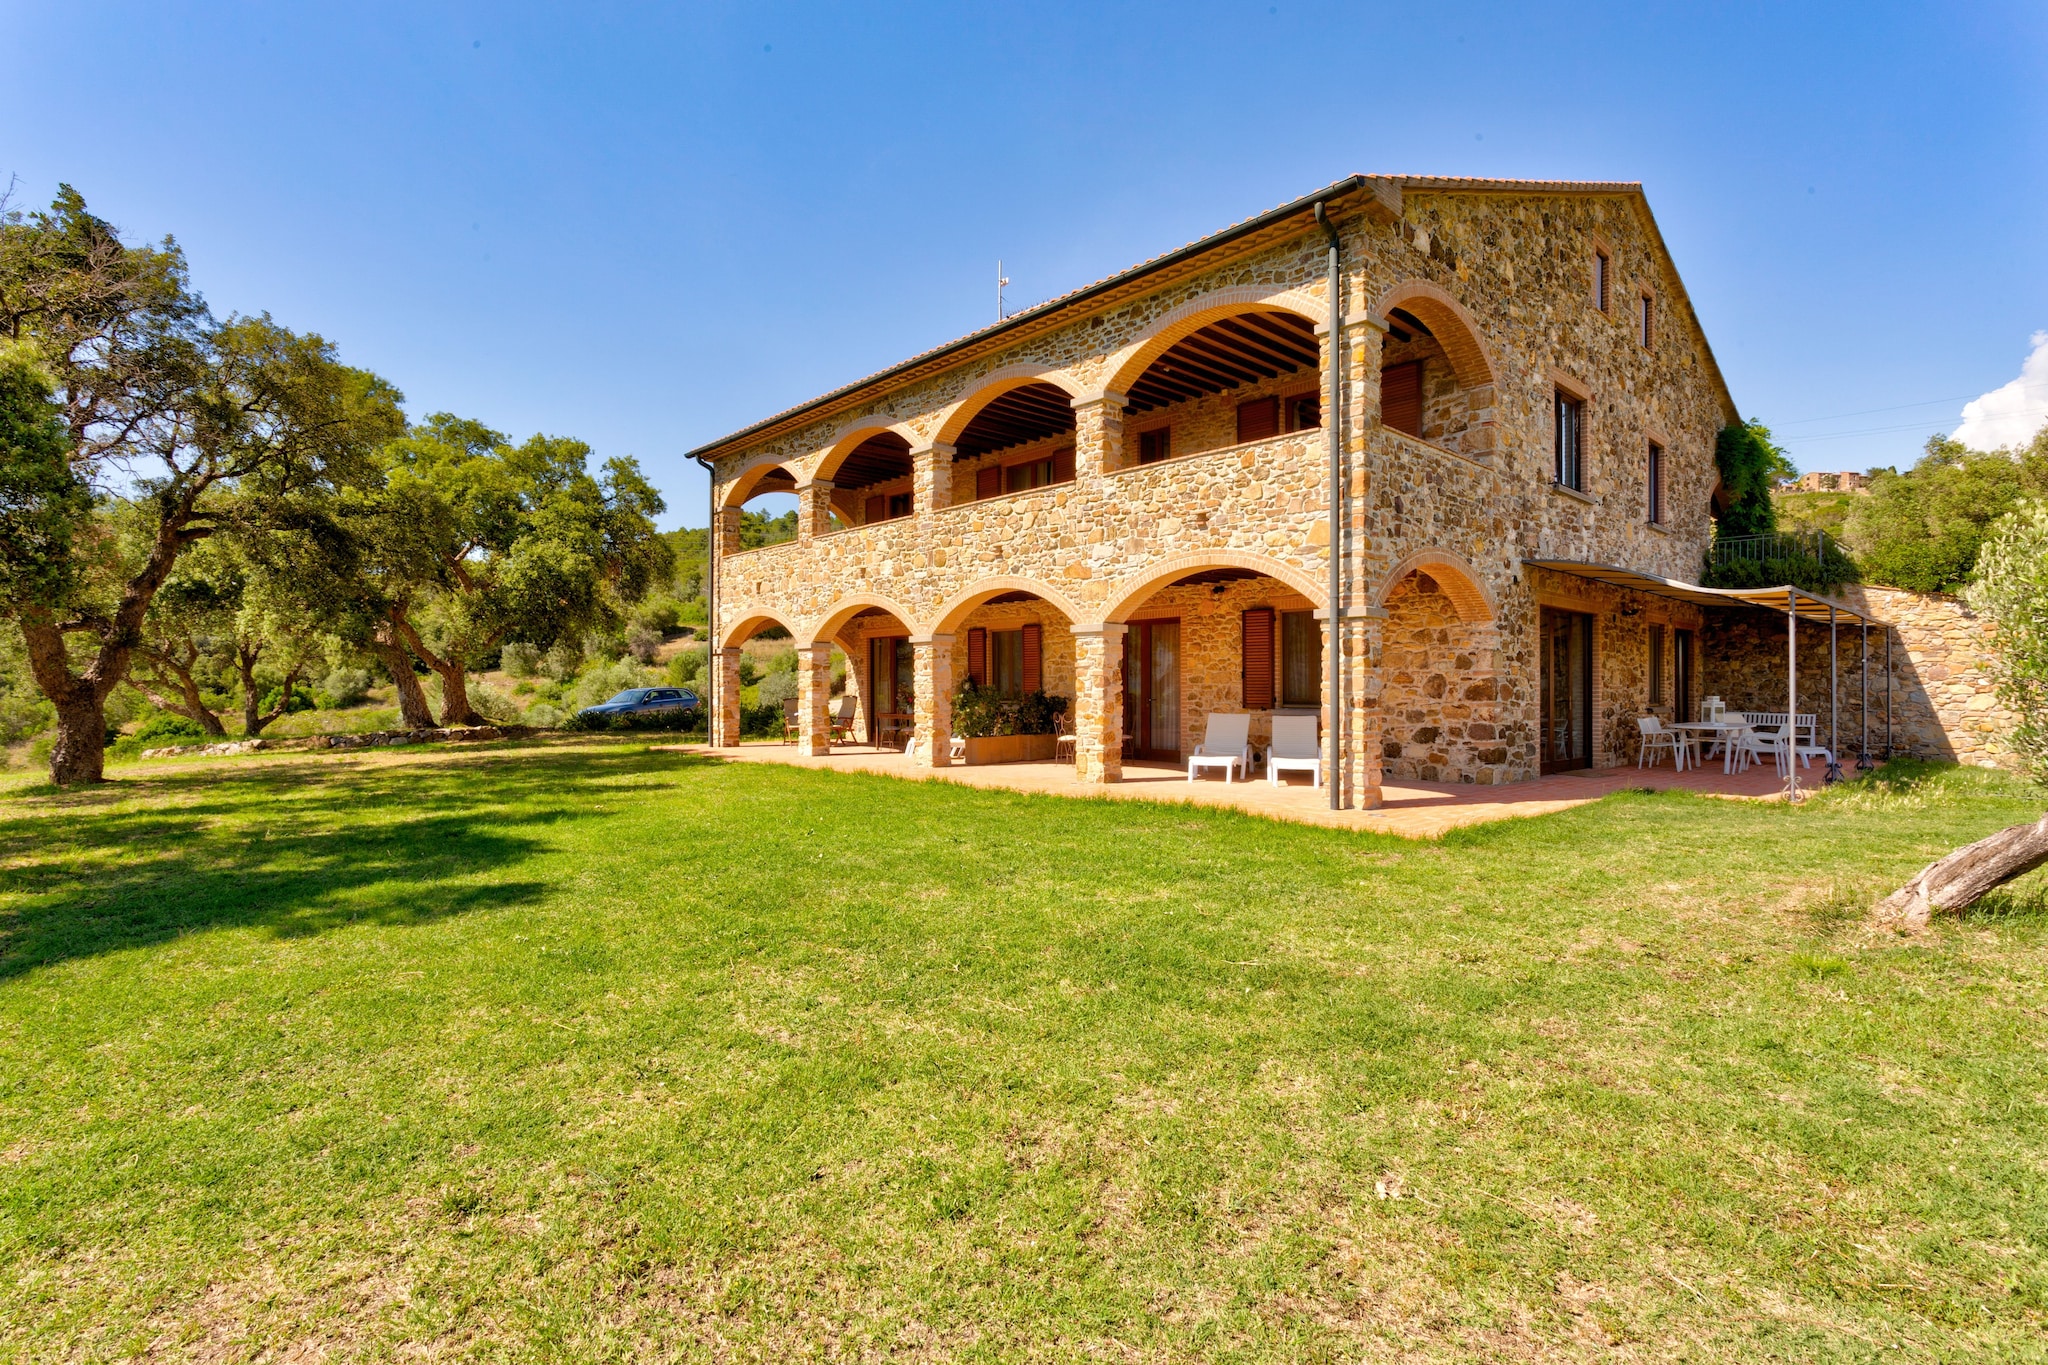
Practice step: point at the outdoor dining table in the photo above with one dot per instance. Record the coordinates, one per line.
(1708, 731)
(893, 725)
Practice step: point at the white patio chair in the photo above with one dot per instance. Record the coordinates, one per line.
(957, 748)
(1656, 739)
(1226, 744)
(1295, 748)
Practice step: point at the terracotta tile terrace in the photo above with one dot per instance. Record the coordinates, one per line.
(1412, 809)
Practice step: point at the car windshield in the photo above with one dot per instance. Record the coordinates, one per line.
(631, 694)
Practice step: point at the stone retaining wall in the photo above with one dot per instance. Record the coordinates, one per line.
(1942, 701)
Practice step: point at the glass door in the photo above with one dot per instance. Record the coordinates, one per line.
(891, 674)
(1567, 652)
(1152, 689)
(1681, 676)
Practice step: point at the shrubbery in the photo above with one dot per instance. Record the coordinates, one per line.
(343, 687)
(520, 660)
(1921, 530)
(162, 731)
(980, 711)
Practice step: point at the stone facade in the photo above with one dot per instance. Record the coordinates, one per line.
(1498, 273)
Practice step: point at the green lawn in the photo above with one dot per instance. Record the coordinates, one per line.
(586, 1052)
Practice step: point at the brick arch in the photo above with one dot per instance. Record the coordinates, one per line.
(744, 483)
(829, 626)
(1126, 599)
(1125, 367)
(993, 385)
(1460, 582)
(1471, 359)
(749, 621)
(847, 437)
(957, 607)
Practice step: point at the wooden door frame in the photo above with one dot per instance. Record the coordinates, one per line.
(1140, 726)
(1545, 765)
(874, 708)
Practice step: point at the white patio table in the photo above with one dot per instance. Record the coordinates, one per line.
(1710, 732)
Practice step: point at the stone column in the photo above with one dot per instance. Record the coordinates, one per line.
(725, 721)
(1357, 638)
(1363, 750)
(1099, 703)
(726, 523)
(1098, 436)
(931, 479)
(814, 700)
(813, 509)
(931, 661)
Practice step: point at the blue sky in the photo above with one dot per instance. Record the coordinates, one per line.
(647, 226)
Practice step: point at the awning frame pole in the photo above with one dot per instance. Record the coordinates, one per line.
(1863, 702)
(1834, 773)
(1887, 694)
(1788, 738)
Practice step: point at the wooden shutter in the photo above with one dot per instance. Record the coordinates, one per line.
(1257, 419)
(1401, 397)
(988, 482)
(1034, 653)
(1258, 659)
(1063, 465)
(878, 509)
(1154, 446)
(977, 656)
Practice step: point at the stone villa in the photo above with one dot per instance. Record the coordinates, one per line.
(1123, 496)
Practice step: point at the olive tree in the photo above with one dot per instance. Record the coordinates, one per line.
(182, 417)
(472, 541)
(2010, 589)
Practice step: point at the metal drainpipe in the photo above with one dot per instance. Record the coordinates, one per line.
(1333, 420)
(711, 663)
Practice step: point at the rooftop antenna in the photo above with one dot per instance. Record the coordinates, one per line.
(1001, 280)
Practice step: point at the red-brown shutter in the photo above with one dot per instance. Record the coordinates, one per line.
(878, 509)
(1401, 397)
(988, 482)
(1034, 676)
(1258, 659)
(977, 656)
(1257, 419)
(1063, 465)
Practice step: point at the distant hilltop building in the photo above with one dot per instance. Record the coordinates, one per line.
(1844, 482)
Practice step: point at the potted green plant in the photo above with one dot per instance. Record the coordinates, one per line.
(999, 729)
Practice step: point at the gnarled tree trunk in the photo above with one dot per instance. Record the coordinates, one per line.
(454, 674)
(412, 698)
(173, 672)
(1966, 875)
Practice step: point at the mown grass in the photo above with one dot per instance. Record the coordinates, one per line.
(585, 1052)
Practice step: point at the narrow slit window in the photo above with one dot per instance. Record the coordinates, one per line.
(1656, 665)
(1646, 321)
(1654, 481)
(1600, 271)
(1570, 470)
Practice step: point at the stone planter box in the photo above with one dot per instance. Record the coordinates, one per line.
(1010, 749)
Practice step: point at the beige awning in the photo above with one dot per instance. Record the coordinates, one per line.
(1810, 606)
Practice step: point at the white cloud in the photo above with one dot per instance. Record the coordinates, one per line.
(2010, 414)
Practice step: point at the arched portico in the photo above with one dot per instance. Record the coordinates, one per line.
(1437, 372)
(746, 623)
(1130, 595)
(1129, 364)
(869, 473)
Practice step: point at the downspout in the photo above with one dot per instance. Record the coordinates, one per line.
(712, 670)
(1333, 420)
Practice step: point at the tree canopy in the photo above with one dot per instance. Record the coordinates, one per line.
(2011, 591)
(1922, 529)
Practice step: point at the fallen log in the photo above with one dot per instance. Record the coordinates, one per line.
(1966, 875)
